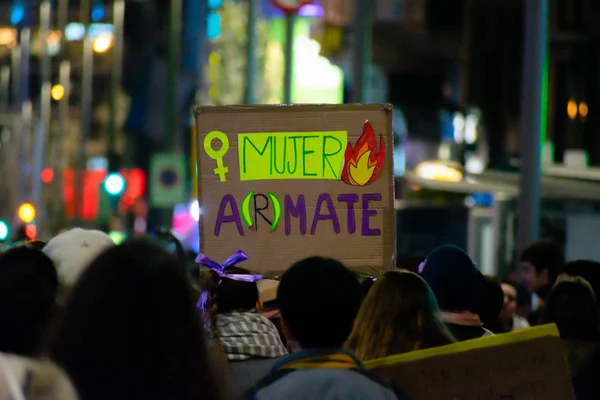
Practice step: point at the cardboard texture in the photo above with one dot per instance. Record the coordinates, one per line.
(281, 184)
(527, 365)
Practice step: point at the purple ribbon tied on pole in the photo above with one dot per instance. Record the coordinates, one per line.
(236, 258)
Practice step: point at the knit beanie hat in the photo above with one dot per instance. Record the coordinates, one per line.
(454, 279)
(72, 251)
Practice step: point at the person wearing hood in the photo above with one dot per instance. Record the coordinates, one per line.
(572, 306)
(458, 286)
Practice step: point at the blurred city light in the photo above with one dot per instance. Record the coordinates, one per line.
(458, 124)
(438, 171)
(117, 237)
(57, 92)
(212, 4)
(74, 31)
(195, 210)
(97, 30)
(8, 37)
(114, 184)
(53, 38)
(97, 11)
(311, 10)
(4, 230)
(31, 231)
(47, 175)
(26, 213)
(471, 128)
(572, 109)
(102, 43)
(583, 109)
(17, 13)
(53, 42)
(474, 165)
(213, 25)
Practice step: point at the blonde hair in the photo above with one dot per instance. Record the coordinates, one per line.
(399, 315)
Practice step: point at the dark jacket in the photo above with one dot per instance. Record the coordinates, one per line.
(324, 375)
(584, 366)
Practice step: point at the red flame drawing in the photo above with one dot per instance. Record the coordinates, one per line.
(363, 162)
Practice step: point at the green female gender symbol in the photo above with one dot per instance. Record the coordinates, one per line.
(217, 155)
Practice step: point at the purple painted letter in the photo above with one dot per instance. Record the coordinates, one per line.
(234, 217)
(325, 198)
(367, 213)
(350, 199)
(296, 211)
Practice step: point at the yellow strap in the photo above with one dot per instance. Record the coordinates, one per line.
(333, 361)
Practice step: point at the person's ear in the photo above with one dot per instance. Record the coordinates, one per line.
(259, 304)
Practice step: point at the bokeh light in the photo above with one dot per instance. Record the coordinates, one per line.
(57, 92)
(31, 231)
(572, 109)
(26, 212)
(4, 230)
(102, 43)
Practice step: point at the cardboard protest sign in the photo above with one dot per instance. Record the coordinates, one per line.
(526, 365)
(285, 182)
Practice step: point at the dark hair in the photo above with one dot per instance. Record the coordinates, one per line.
(400, 314)
(572, 306)
(36, 244)
(228, 295)
(319, 299)
(493, 302)
(131, 329)
(168, 242)
(588, 270)
(28, 286)
(523, 295)
(545, 254)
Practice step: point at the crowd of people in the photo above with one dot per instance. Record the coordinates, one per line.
(83, 318)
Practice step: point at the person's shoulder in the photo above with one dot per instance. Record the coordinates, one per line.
(321, 383)
(397, 390)
(267, 381)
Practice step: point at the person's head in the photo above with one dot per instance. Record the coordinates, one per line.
(540, 264)
(509, 308)
(228, 295)
(494, 302)
(131, 329)
(73, 250)
(28, 286)
(454, 279)
(572, 306)
(318, 299)
(411, 262)
(587, 269)
(399, 315)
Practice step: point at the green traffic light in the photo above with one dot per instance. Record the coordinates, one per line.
(4, 230)
(114, 184)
